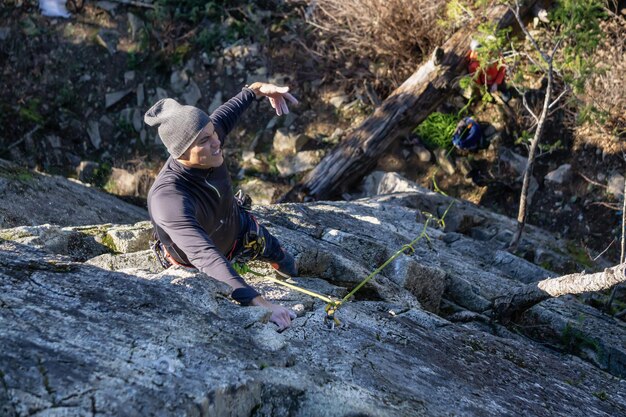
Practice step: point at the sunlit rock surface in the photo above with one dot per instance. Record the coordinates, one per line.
(92, 327)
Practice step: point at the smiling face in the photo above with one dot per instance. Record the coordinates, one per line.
(205, 152)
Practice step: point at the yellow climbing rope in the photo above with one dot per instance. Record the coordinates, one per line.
(333, 305)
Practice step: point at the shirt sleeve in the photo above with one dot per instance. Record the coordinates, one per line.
(226, 116)
(500, 76)
(175, 215)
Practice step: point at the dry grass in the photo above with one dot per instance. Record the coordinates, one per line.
(383, 40)
(605, 91)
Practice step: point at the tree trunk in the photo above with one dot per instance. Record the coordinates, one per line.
(405, 108)
(523, 206)
(507, 305)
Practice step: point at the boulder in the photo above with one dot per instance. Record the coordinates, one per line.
(560, 175)
(300, 162)
(192, 94)
(137, 119)
(512, 165)
(136, 26)
(512, 162)
(262, 192)
(179, 80)
(123, 182)
(379, 182)
(87, 171)
(215, 102)
(471, 220)
(79, 338)
(129, 77)
(93, 131)
(422, 153)
(83, 242)
(129, 238)
(141, 95)
(29, 198)
(441, 156)
(111, 99)
(288, 143)
(141, 260)
(615, 185)
(5, 32)
(339, 100)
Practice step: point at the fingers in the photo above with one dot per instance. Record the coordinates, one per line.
(290, 98)
(283, 322)
(283, 105)
(278, 97)
(276, 106)
(282, 318)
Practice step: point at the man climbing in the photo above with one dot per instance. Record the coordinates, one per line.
(198, 221)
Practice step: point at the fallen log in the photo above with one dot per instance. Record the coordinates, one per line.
(405, 108)
(506, 306)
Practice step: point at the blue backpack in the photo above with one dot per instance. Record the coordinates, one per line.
(467, 134)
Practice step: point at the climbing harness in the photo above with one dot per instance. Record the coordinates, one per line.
(253, 242)
(243, 200)
(163, 256)
(159, 252)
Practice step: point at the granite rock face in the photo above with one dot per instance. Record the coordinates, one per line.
(80, 340)
(493, 230)
(88, 329)
(28, 198)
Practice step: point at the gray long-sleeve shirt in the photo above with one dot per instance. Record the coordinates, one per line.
(194, 212)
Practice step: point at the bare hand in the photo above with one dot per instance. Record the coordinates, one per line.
(278, 96)
(281, 316)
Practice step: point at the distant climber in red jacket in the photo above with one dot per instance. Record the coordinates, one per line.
(492, 76)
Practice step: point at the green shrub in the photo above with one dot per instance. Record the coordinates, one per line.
(437, 130)
(578, 23)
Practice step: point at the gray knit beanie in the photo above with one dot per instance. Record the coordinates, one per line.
(179, 125)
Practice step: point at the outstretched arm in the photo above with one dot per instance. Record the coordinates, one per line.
(226, 116)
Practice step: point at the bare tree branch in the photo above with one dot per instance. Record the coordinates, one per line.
(532, 40)
(558, 98)
(604, 251)
(534, 144)
(532, 113)
(590, 181)
(505, 306)
(623, 253)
